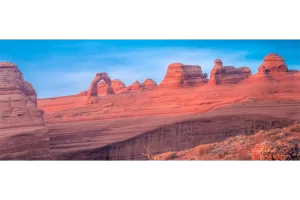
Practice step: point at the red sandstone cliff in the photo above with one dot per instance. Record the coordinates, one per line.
(180, 75)
(22, 131)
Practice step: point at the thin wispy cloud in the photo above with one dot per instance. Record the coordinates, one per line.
(74, 75)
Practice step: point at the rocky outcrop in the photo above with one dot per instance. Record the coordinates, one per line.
(117, 85)
(93, 89)
(180, 75)
(18, 102)
(22, 131)
(135, 86)
(83, 93)
(227, 74)
(149, 84)
(273, 63)
(276, 150)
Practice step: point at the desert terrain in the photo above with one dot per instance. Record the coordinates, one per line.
(185, 113)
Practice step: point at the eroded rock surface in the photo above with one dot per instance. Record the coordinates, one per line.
(22, 131)
(273, 63)
(93, 89)
(18, 102)
(150, 84)
(135, 86)
(227, 74)
(180, 75)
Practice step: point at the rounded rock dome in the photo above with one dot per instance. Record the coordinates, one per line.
(218, 61)
(175, 65)
(273, 57)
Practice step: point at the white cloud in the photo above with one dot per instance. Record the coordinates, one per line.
(74, 76)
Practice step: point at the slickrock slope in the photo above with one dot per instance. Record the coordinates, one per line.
(150, 84)
(136, 86)
(273, 63)
(22, 131)
(180, 75)
(227, 74)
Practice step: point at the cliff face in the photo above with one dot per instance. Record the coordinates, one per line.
(181, 136)
(22, 131)
(18, 102)
(180, 75)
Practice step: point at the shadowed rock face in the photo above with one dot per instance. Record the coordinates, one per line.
(180, 75)
(273, 63)
(149, 83)
(22, 131)
(227, 74)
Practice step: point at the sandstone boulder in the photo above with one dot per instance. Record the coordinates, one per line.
(180, 75)
(117, 85)
(135, 86)
(227, 74)
(273, 63)
(149, 84)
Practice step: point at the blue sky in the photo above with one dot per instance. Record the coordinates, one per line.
(65, 67)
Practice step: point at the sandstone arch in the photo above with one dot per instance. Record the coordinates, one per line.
(92, 92)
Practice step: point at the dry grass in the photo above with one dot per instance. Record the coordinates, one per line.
(295, 128)
(204, 150)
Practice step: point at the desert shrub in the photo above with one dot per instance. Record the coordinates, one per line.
(171, 156)
(204, 150)
(297, 122)
(295, 128)
(273, 132)
(279, 150)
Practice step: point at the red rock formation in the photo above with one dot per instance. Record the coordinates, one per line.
(17, 99)
(273, 63)
(149, 83)
(83, 93)
(135, 86)
(117, 85)
(180, 75)
(227, 74)
(93, 90)
(22, 131)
